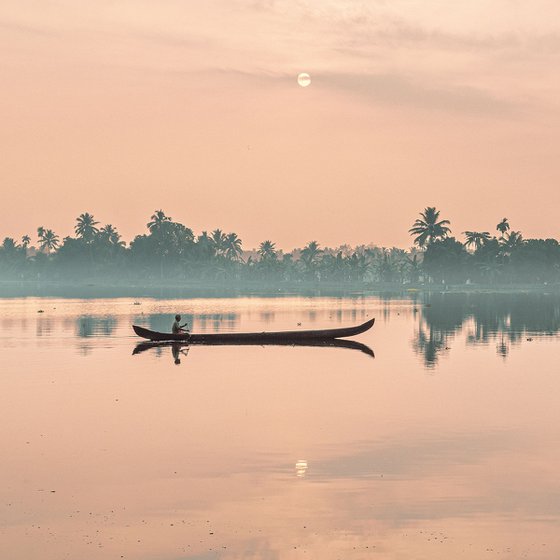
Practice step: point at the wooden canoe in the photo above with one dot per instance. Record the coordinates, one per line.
(262, 337)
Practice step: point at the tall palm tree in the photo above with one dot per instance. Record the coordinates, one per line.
(358, 265)
(205, 246)
(181, 237)
(386, 265)
(267, 251)
(203, 238)
(219, 241)
(311, 254)
(9, 245)
(233, 247)
(476, 238)
(25, 241)
(157, 220)
(110, 234)
(48, 240)
(503, 227)
(512, 239)
(85, 227)
(428, 227)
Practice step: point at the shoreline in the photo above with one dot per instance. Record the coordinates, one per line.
(26, 288)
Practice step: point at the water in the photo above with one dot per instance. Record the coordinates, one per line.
(445, 445)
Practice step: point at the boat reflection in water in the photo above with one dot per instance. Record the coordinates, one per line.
(178, 348)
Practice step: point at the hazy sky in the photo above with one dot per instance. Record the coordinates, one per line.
(121, 107)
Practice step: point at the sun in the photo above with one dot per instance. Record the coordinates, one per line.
(304, 79)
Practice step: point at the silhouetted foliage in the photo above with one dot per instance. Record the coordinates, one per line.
(476, 238)
(429, 228)
(445, 260)
(169, 252)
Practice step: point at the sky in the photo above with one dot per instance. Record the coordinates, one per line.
(122, 107)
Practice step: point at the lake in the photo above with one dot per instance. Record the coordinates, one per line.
(443, 445)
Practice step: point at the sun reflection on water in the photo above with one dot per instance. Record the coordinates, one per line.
(301, 468)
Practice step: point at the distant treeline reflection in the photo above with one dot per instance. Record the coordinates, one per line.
(91, 325)
(171, 253)
(501, 319)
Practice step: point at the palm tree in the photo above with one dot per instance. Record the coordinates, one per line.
(85, 227)
(358, 265)
(386, 265)
(311, 255)
(48, 240)
(204, 246)
(267, 251)
(158, 218)
(286, 266)
(335, 266)
(181, 237)
(9, 245)
(219, 241)
(233, 247)
(25, 241)
(512, 239)
(503, 227)
(427, 228)
(476, 238)
(110, 234)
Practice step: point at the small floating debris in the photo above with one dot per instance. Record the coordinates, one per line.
(529, 339)
(40, 311)
(137, 303)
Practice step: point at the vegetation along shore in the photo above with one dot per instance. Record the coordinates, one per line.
(170, 254)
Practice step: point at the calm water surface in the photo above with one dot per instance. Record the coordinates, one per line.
(445, 445)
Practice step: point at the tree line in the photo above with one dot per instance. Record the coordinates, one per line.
(482, 258)
(170, 252)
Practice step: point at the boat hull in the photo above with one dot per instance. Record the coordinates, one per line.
(286, 337)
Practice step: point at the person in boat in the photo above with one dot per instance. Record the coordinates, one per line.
(177, 328)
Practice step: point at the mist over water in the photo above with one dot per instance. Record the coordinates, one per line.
(444, 445)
